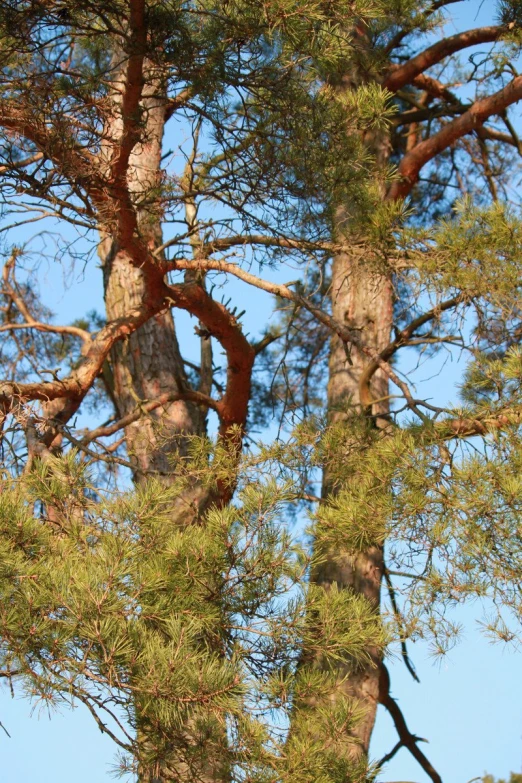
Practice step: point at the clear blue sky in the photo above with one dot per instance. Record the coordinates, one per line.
(469, 705)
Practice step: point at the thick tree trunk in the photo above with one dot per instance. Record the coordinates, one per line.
(361, 299)
(149, 363)
(145, 366)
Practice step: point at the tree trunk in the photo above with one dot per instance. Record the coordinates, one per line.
(149, 363)
(145, 366)
(362, 300)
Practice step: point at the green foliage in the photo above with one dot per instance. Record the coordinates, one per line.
(180, 627)
(510, 12)
(168, 634)
(514, 777)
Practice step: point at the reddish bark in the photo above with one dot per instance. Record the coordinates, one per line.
(400, 75)
(473, 119)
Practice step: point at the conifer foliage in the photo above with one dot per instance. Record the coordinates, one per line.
(149, 566)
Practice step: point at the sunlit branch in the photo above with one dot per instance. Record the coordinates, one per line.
(244, 240)
(403, 338)
(471, 120)
(20, 164)
(147, 407)
(400, 75)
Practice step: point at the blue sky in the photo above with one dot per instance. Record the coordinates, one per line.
(469, 705)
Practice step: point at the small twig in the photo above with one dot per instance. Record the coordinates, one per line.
(4, 728)
(393, 600)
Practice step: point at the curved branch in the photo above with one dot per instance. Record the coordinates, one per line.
(277, 289)
(400, 75)
(435, 87)
(30, 321)
(471, 120)
(77, 384)
(233, 406)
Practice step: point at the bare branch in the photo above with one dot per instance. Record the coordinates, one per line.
(180, 100)
(147, 407)
(471, 120)
(226, 243)
(400, 75)
(77, 384)
(406, 738)
(32, 323)
(22, 163)
(403, 338)
(398, 619)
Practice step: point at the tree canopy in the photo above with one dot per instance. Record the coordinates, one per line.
(151, 566)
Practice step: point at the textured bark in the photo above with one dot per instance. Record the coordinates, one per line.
(145, 366)
(149, 363)
(361, 299)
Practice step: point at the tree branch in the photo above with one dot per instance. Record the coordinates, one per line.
(398, 619)
(32, 323)
(77, 384)
(147, 407)
(400, 75)
(277, 289)
(221, 324)
(178, 101)
(471, 120)
(22, 163)
(73, 160)
(225, 243)
(402, 338)
(406, 738)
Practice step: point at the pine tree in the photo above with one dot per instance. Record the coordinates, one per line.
(86, 94)
(183, 606)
